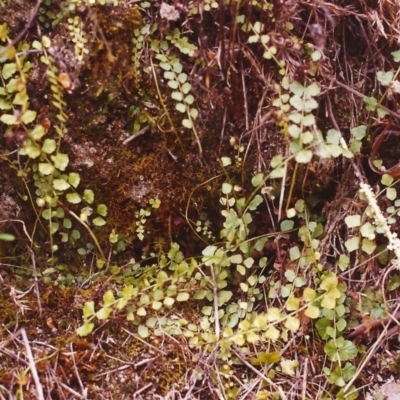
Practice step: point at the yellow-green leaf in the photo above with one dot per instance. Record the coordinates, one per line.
(99, 221)
(60, 184)
(104, 313)
(292, 303)
(49, 146)
(292, 323)
(183, 296)
(8, 70)
(60, 161)
(88, 309)
(85, 329)
(73, 198)
(102, 210)
(88, 195)
(28, 116)
(289, 366)
(108, 298)
(46, 168)
(143, 331)
(38, 132)
(312, 312)
(74, 179)
(8, 119)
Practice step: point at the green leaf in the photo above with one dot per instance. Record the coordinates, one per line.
(99, 221)
(186, 88)
(187, 123)
(387, 180)
(156, 305)
(371, 103)
(12, 85)
(296, 88)
(174, 85)
(102, 210)
(74, 179)
(88, 309)
(183, 296)
(385, 77)
(8, 70)
(352, 244)
(312, 90)
(276, 161)
(104, 313)
(248, 262)
(396, 56)
(143, 331)
(4, 104)
(223, 297)
(60, 213)
(294, 253)
(308, 120)
(38, 132)
(46, 41)
(312, 312)
(54, 227)
(178, 96)
(30, 150)
(340, 350)
(67, 223)
(177, 66)
(60, 184)
(8, 119)
(292, 323)
(28, 116)
(21, 98)
(257, 200)
(257, 180)
(304, 156)
(353, 221)
(259, 245)
(297, 102)
(165, 66)
(180, 107)
(367, 230)
(333, 136)
(359, 132)
(296, 117)
(330, 282)
(45, 168)
(193, 113)
(226, 188)
(60, 161)
(85, 329)
(169, 75)
(292, 303)
(394, 282)
(108, 298)
(316, 55)
(343, 262)
(287, 225)
(6, 237)
(288, 367)
(189, 99)
(73, 198)
(226, 161)
(182, 78)
(88, 196)
(49, 146)
(368, 246)
(264, 358)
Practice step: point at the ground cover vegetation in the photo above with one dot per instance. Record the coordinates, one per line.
(199, 199)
